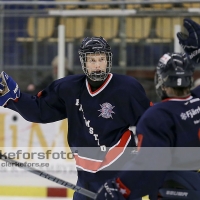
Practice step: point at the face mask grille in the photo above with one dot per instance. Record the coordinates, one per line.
(96, 75)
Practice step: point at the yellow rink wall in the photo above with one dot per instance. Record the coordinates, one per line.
(30, 191)
(35, 191)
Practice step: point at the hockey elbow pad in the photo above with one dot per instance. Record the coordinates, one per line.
(8, 89)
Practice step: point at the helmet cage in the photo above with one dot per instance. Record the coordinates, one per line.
(96, 76)
(95, 46)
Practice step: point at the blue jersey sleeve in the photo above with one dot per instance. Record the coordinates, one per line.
(46, 107)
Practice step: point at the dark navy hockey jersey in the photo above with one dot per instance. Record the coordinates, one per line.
(99, 119)
(172, 123)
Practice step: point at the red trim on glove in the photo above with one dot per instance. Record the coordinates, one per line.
(16, 100)
(122, 188)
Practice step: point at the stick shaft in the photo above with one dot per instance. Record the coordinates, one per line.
(66, 184)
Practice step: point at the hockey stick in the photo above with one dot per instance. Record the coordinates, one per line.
(66, 184)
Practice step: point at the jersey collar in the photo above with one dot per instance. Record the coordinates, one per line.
(178, 99)
(101, 88)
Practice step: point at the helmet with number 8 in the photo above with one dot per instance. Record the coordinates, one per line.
(174, 70)
(95, 46)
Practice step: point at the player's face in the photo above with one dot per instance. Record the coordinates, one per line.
(96, 62)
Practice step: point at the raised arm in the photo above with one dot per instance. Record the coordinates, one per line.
(46, 107)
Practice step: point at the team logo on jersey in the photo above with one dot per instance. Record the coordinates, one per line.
(183, 116)
(106, 110)
(190, 113)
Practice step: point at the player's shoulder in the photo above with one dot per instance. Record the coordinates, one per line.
(69, 84)
(125, 78)
(156, 109)
(71, 80)
(126, 81)
(152, 117)
(196, 92)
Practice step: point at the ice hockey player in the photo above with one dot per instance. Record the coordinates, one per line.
(101, 107)
(174, 122)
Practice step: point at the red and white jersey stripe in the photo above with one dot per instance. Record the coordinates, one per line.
(114, 152)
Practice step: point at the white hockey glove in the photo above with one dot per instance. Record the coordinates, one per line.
(8, 89)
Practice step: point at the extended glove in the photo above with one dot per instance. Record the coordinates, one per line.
(191, 42)
(8, 89)
(113, 189)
